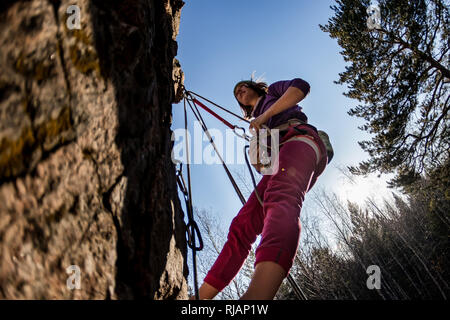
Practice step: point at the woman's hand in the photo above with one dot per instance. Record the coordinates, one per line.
(257, 123)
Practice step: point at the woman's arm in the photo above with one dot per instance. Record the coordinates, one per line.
(291, 97)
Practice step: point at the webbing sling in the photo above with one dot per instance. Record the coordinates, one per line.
(229, 125)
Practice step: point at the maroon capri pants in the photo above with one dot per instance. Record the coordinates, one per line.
(278, 220)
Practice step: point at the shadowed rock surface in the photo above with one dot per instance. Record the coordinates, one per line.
(86, 176)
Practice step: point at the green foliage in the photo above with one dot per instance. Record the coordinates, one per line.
(399, 72)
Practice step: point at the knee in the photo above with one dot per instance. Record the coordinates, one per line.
(241, 231)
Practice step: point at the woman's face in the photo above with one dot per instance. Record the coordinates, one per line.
(245, 95)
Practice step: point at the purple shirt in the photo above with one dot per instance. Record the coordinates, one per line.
(275, 91)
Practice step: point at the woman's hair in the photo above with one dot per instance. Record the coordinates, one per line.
(259, 87)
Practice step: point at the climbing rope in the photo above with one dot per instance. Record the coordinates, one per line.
(192, 227)
(211, 140)
(228, 124)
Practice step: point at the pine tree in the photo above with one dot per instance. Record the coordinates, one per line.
(398, 70)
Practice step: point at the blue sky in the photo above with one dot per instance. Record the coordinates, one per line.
(223, 42)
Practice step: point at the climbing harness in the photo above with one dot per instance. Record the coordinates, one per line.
(192, 227)
(259, 151)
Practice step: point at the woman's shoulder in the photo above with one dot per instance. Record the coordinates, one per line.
(278, 88)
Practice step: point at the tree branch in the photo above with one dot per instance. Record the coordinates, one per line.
(445, 72)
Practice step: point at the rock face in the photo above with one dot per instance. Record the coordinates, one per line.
(86, 177)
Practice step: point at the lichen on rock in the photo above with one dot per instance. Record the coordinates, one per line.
(86, 177)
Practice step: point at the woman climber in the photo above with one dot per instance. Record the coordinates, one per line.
(302, 158)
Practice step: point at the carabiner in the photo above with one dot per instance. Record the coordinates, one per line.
(244, 135)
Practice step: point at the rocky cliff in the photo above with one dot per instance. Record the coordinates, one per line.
(86, 178)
